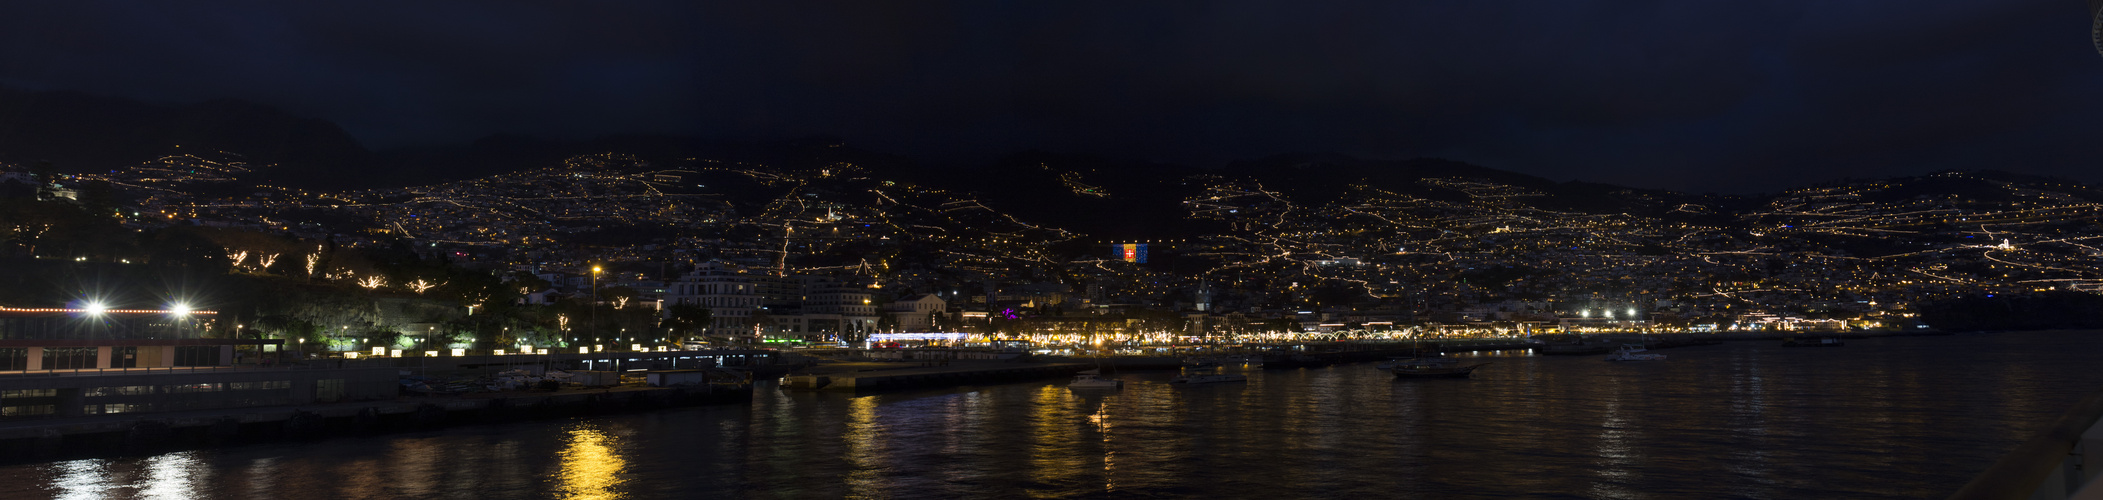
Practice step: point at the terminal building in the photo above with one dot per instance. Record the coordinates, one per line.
(92, 360)
(93, 338)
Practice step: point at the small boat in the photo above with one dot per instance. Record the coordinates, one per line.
(1633, 352)
(1091, 379)
(1431, 368)
(1817, 342)
(1207, 377)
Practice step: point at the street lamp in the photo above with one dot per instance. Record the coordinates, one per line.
(595, 302)
(181, 312)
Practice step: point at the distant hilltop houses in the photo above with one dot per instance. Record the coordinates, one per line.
(25, 185)
(614, 247)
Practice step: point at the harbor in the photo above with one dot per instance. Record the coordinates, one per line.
(1708, 422)
(139, 433)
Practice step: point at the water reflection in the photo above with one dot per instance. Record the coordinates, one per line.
(262, 477)
(865, 448)
(591, 467)
(1053, 461)
(173, 476)
(1101, 419)
(81, 480)
(1615, 452)
(1882, 418)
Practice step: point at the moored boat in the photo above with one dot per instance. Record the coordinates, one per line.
(1092, 380)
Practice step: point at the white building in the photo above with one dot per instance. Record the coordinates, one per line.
(915, 313)
(819, 308)
(829, 310)
(730, 294)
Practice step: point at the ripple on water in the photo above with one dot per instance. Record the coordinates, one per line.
(1880, 418)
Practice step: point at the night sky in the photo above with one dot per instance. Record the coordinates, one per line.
(1689, 95)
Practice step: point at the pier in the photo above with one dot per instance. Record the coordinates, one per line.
(46, 439)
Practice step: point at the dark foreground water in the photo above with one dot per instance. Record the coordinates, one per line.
(1880, 418)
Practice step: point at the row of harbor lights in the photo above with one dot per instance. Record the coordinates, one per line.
(1605, 313)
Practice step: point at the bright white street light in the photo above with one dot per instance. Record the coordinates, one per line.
(96, 308)
(179, 308)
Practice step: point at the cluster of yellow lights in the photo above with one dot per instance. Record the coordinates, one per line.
(101, 310)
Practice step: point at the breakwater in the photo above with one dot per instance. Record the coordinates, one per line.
(48, 439)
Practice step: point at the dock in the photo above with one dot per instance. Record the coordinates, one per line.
(56, 438)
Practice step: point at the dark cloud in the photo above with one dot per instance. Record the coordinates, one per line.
(1689, 95)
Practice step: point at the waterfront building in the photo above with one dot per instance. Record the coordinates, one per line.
(93, 360)
(730, 294)
(806, 307)
(915, 313)
(96, 338)
(829, 310)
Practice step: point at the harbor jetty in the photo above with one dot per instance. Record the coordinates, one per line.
(47, 439)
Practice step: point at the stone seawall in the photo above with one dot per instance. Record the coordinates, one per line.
(69, 437)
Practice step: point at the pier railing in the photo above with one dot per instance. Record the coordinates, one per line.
(2052, 466)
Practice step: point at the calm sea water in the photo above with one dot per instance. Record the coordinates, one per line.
(1880, 418)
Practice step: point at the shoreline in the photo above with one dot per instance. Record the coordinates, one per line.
(49, 440)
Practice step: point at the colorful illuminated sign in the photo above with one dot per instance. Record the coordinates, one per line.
(1131, 252)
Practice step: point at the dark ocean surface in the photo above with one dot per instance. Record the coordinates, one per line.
(1880, 418)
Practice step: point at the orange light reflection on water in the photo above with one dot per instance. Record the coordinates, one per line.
(591, 468)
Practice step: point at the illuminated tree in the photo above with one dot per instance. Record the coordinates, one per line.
(419, 286)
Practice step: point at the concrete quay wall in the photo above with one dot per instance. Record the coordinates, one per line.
(58, 438)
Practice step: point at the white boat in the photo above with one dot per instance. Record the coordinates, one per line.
(1091, 380)
(1632, 352)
